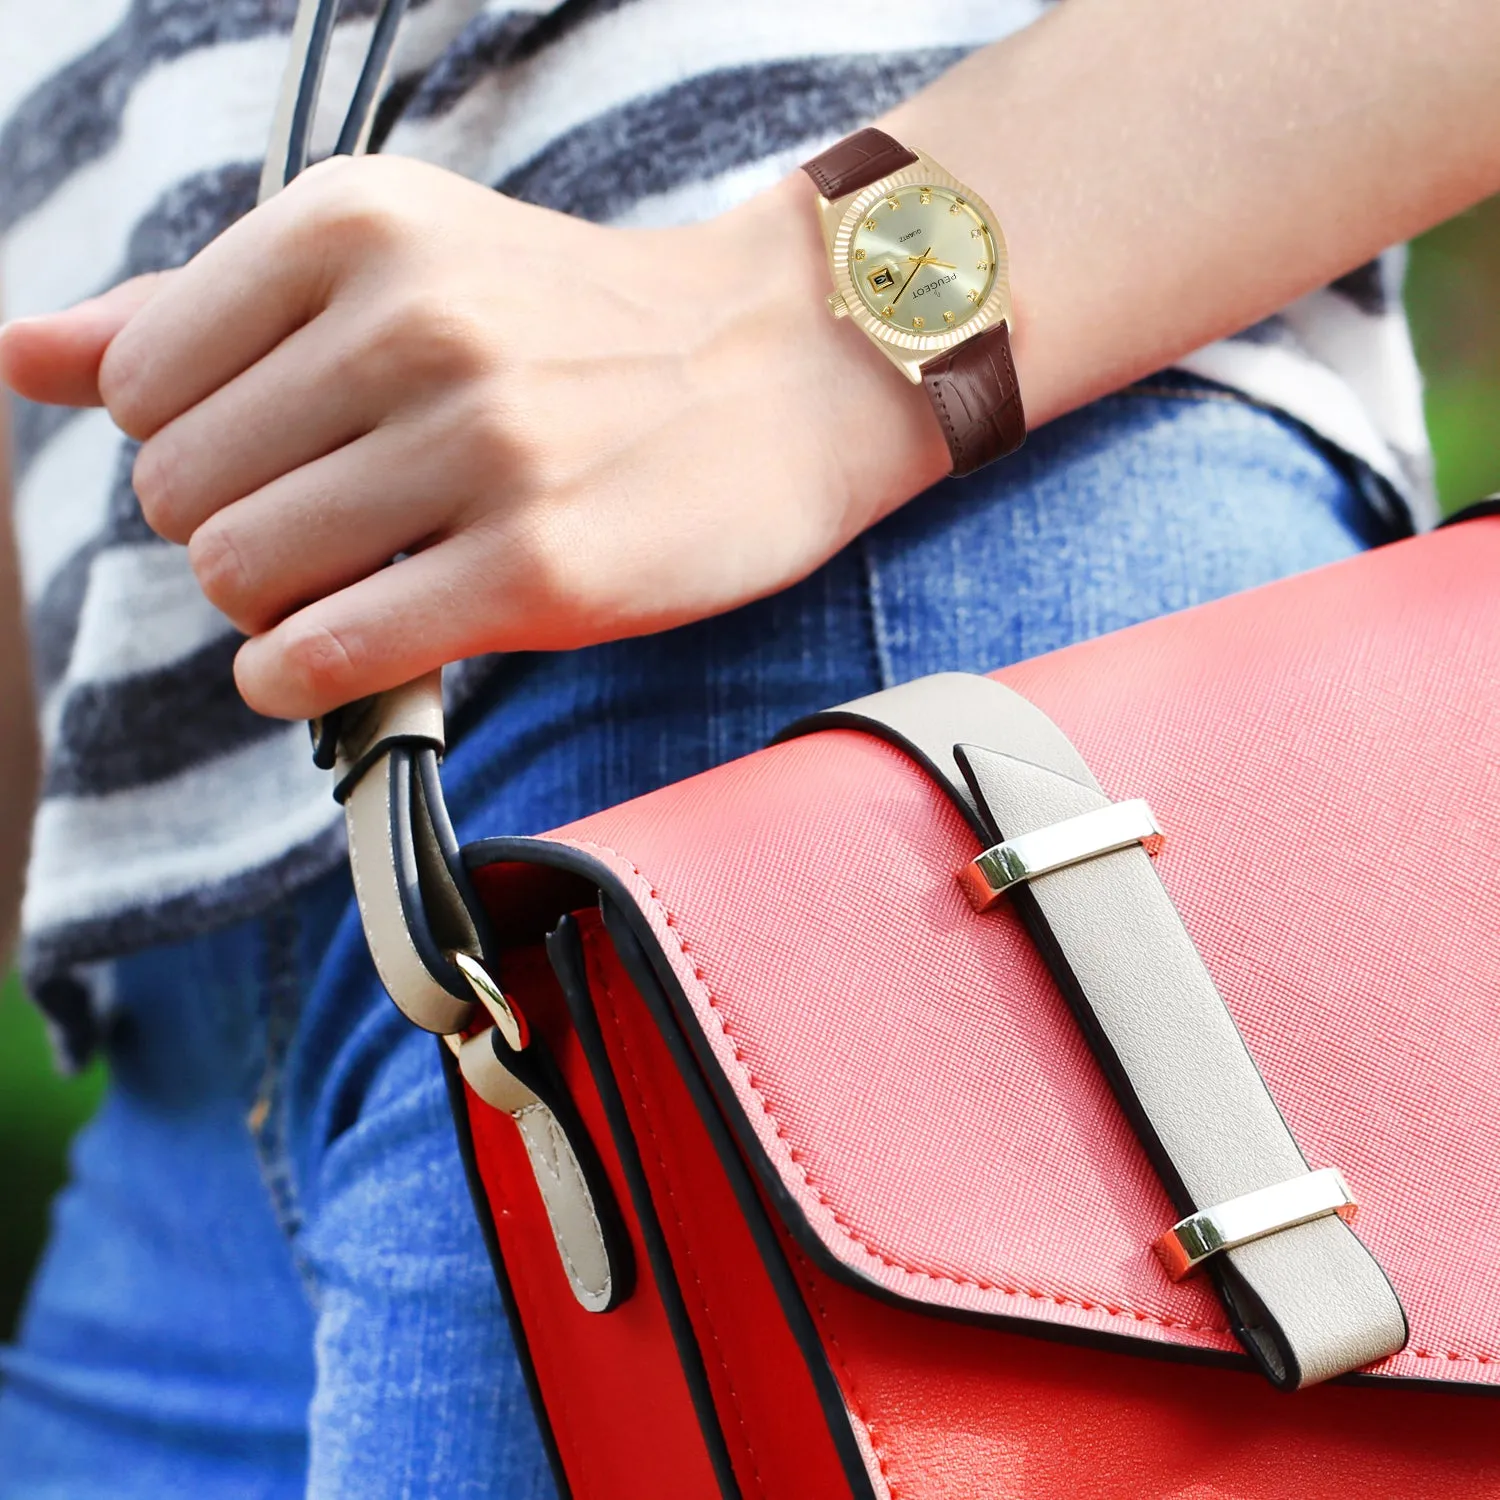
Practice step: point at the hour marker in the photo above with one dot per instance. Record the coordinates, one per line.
(893, 203)
(885, 312)
(983, 265)
(871, 224)
(859, 255)
(957, 204)
(976, 234)
(919, 322)
(973, 294)
(948, 317)
(925, 196)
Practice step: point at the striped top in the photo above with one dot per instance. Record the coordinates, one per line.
(132, 134)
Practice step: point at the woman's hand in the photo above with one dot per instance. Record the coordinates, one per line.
(572, 433)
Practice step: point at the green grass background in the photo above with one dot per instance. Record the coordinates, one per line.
(1454, 296)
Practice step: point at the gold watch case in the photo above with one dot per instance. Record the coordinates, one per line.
(842, 219)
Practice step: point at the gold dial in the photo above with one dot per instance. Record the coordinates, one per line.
(923, 260)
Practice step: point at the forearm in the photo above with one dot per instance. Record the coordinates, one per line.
(18, 743)
(1170, 171)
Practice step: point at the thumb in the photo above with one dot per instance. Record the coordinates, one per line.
(55, 358)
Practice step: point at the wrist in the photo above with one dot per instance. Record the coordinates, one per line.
(882, 442)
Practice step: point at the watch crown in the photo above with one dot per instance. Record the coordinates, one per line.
(837, 306)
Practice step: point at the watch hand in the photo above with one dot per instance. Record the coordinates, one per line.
(947, 265)
(921, 260)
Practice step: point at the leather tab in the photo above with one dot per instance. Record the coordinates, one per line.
(586, 1226)
(1309, 1302)
(977, 398)
(857, 161)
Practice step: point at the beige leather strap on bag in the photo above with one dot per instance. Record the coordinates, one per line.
(418, 915)
(423, 937)
(377, 779)
(1307, 1299)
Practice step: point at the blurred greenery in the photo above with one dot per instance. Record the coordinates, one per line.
(1454, 295)
(39, 1111)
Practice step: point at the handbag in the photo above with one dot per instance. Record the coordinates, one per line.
(1083, 1080)
(874, 1116)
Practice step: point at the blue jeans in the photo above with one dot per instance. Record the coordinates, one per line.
(265, 1278)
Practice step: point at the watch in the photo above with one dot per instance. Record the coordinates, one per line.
(919, 265)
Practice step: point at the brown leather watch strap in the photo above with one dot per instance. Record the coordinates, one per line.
(973, 386)
(977, 398)
(857, 161)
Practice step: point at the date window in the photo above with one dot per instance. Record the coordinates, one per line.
(882, 279)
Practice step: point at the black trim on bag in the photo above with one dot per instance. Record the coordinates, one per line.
(565, 954)
(1480, 510)
(414, 782)
(458, 1106)
(563, 857)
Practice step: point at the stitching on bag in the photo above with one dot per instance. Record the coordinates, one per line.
(1062, 1299)
(602, 974)
(849, 1389)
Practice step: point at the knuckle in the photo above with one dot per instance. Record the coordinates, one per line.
(157, 479)
(350, 209)
(316, 662)
(218, 563)
(420, 339)
(125, 388)
(552, 569)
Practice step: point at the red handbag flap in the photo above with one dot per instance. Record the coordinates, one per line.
(1324, 757)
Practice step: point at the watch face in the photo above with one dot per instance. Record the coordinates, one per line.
(923, 260)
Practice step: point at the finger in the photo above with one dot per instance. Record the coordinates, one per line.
(307, 398)
(230, 305)
(55, 358)
(325, 526)
(405, 620)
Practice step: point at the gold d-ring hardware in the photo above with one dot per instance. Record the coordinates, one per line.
(1252, 1216)
(493, 998)
(1107, 830)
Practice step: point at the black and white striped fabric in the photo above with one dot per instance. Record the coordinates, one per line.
(132, 134)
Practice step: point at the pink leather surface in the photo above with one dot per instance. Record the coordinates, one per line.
(1324, 755)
